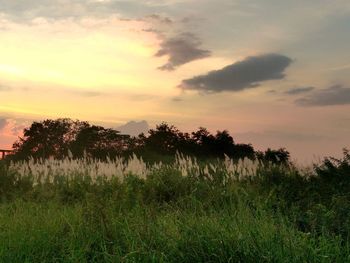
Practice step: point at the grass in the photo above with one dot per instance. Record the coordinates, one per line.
(277, 215)
(51, 232)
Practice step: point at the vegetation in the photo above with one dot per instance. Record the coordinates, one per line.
(189, 210)
(75, 192)
(54, 138)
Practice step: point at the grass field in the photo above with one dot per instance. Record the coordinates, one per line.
(185, 211)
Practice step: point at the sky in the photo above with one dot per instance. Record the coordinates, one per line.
(273, 73)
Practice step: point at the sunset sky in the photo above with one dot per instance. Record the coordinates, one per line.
(274, 73)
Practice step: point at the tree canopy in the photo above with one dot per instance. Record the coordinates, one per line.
(55, 138)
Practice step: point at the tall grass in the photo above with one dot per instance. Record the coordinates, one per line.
(127, 210)
(46, 170)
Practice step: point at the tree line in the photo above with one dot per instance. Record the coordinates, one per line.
(55, 138)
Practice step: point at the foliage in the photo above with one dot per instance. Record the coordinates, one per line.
(186, 211)
(55, 138)
(280, 156)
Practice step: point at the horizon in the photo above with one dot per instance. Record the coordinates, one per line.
(273, 74)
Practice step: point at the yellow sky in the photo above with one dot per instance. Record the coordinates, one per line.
(45, 60)
(76, 55)
(103, 69)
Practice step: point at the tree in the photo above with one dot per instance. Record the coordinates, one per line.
(163, 139)
(202, 136)
(280, 156)
(241, 151)
(203, 141)
(53, 138)
(47, 138)
(223, 144)
(99, 142)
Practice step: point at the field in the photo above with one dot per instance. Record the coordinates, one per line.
(185, 210)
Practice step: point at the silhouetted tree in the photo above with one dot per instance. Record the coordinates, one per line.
(280, 156)
(135, 144)
(202, 136)
(99, 142)
(163, 139)
(55, 137)
(204, 141)
(241, 151)
(47, 138)
(222, 144)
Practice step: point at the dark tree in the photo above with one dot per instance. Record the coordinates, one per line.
(204, 142)
(47, 138)
(243, 151)
(163, 139)
(280, 156)
(222, 144)
(54, 138)
(99, 142)
(202, 136)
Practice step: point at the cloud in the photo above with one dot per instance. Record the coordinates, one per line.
(12, 127)
(334, 95)
(4, 88)
(160, 19)
(88, 93)
(177, 99)
(10, 130)
(17, 129)
(271, 91)
(3, 123)
(300, 90)
(24, 10)
(281, 136)
(241, 75)
(134, 128)
(181, 49)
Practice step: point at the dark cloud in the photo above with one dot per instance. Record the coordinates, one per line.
(134, 128)
(160, 19)
(300, 90)
(181, 50)
(240, 75)
(335, 95)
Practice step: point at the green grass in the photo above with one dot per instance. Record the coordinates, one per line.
(279, 216)
(51, 232)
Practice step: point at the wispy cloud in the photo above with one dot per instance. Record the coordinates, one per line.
(134, 128)
(342, 67)
(334, 95)
(181, 49)
(160, 19)
(4, 88)
(282, 136)
(3, 123)
(87, 93)
(300, 90)
(241, 75)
